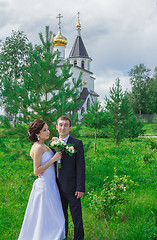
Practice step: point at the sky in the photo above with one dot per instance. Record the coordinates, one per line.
(117, 34)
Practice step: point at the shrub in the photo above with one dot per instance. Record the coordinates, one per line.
(111, 193)
(155, 119)
(148, 157)
(153, 143)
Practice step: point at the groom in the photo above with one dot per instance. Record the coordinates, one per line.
(71, 178)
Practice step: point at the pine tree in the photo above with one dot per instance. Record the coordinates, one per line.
(121, 118)
(95, 118)
(43, 92)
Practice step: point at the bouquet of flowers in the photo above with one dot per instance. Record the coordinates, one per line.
(59, 145)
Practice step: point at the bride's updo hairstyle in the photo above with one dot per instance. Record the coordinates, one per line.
(34, 128)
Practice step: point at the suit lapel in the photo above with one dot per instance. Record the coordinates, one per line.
(70, 140)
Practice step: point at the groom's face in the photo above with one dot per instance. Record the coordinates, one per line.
(63, 128)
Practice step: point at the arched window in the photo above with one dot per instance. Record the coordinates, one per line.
(88, 104)
(82, 64)
(75, 63)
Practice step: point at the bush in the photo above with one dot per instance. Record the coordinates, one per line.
(152, 142)
(148, 157)
(111, 194)
(155, 119)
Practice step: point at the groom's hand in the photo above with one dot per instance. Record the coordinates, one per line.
(40, 174)
(79, 194)
(54, 139)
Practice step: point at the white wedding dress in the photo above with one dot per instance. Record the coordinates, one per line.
(44, 218)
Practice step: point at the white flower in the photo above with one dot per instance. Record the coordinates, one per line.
(71, 149)
(52, 144)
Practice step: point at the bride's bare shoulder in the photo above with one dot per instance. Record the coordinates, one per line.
(36, 148)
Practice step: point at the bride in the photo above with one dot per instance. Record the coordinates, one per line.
(44, 217)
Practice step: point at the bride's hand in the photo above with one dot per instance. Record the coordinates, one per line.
(57, 156)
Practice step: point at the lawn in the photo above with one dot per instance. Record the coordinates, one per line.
(150, 129)
(133, 218)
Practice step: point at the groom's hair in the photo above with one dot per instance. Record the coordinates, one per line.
(65, 118)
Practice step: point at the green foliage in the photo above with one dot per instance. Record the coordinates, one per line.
(111, 193)
(95, 118)
(50, 94)
(151, 94)
(143, 96)
(148, 157)
(131, 218)
(150, 129)
(152, 142)
(4, 120)
(155, 120)
(89, 132)
(75, 132)
(13, 57)
(40, 91)
(122, 121)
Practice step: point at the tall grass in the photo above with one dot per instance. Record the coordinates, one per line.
(133, 219)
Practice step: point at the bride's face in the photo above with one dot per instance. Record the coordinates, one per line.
(44, 133)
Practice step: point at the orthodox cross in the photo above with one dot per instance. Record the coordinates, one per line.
(78, 16)
(59, 17)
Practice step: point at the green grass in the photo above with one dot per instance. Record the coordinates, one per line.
(151, 129)
(133, 219)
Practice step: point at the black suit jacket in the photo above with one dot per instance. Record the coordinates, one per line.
(72, 172)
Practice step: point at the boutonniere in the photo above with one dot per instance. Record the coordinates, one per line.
(70, 149)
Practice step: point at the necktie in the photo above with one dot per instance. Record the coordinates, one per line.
(59, 161)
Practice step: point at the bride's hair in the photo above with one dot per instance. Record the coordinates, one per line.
(34, 128)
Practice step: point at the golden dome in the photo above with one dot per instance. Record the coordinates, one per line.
(78, 25)
(59, 39)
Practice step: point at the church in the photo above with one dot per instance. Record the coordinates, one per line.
(81, 62)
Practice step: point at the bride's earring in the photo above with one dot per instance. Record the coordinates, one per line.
(38, 138)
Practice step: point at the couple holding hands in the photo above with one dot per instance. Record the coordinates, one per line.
(46, 216)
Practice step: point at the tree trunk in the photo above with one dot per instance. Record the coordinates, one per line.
(14, 122)
(95, 142)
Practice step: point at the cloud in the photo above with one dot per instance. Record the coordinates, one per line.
(104, 82)
(117, 34)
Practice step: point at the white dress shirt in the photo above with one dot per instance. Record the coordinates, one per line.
(65, 139)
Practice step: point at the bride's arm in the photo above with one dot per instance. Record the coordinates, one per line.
(38, 168)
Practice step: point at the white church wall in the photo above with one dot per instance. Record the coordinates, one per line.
(84, 108)
(76, 74)
(91, 83)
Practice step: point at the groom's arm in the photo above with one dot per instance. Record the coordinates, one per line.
(80, 169)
